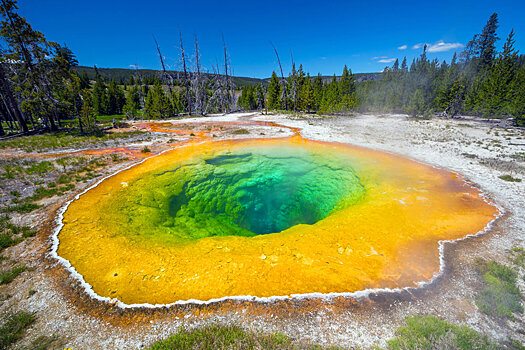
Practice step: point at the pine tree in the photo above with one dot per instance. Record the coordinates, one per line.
(158, 105)
(132, 105)
(516, 94)
(99, 98)
(318, 91)
(116, 98)
(396, 65)
(486, 42)
(331, 97)
(84, 81)
(247, 99)
(404, 66)
(517, 108)
(417, 104)
(177, 101)
(274, 93)
(494, 92)
(347, 89)
(300, 78)
(37, 68)
(87, 113)
(260, 97)
(307, 98)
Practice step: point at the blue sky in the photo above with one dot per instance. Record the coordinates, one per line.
(324, 35)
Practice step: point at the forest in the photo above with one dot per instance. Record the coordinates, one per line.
(40, 89)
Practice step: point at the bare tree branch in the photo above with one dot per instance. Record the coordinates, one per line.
(165, 74)
(282, 76)
(186, 80)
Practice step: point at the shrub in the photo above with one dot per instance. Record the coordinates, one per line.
(14, 326)
(22, 208)
(8, 276)
(223, 337)
(518, 256)
(501, 296)
(429, 332)
(509, 178)
(6, 241)
(40, 168)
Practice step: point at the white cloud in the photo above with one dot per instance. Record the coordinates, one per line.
(442, 46)
(388, 60)
(379, 57)
(134, 66)
(323, 58)
(438, 46)
(402, 47)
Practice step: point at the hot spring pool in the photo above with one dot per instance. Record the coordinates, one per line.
(266, 218)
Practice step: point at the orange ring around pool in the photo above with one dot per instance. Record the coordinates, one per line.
(387, 239)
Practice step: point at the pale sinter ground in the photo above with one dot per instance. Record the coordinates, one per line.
(475, 149)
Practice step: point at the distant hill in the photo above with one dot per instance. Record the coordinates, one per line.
(124, 74)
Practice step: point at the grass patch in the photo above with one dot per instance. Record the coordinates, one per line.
(240, 132)
(8, 229)
(40, 168)
(517, 256)
(8, 276)
(509, 178)
(22, 208)
(145, 150)
(501, 296)
(14, 326)
(43, 342)
(50, 191)
(105, 118)
(7, 241)
(58, 140)
(228, 337)
(429, 332)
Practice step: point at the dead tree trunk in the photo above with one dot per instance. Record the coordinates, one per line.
(216, 100)
(7, 115)
(282, 77)
(228, 96)
(165, 75)
(7, 95)
(199, 86)
(28, 62)
(186, 80)
(138, 82)
(4, 116)
(294, 86)
(47, 93)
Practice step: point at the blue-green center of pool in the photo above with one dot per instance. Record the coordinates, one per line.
(245, 192)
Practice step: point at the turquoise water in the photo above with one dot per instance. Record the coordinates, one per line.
(261, 192)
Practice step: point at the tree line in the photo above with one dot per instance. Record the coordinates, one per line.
(300, 92)
(40, 89)
(481, 82)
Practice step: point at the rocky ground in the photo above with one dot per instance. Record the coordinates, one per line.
(479, 150)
